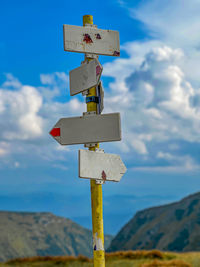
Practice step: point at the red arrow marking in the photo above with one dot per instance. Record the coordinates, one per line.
(55, 132)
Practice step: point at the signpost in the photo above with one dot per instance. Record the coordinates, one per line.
(77, 130)
(93, 127)
(91, 40)
(85, 77)
(100, 166)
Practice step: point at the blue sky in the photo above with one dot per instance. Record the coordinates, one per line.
(154, 85)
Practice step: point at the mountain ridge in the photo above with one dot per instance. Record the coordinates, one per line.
(173, 227)
(25, 234)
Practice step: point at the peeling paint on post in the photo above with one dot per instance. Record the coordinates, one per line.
(97, 242)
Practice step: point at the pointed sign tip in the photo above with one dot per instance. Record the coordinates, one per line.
(55, 132)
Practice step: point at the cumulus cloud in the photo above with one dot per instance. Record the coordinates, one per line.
(28, 113)
(53, 85)
(160, 105)
(157, 86)
(19, 109)
(175, 23)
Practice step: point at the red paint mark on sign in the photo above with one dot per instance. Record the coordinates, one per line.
(103, 175)
(55, 132)
(98, 36)
(87, 38)
(98, 70)
(116, 53)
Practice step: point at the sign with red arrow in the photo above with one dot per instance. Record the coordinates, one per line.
(88, 129)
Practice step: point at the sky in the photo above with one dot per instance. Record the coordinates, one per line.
(155, 85)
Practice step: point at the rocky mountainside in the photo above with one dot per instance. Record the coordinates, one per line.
(24, 234)
(173, 227)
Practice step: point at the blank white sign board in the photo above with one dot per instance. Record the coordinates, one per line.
(100, 166)
(91, 40)
(85, 77)
(88, 129)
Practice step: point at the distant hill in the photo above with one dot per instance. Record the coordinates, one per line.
(115, 216)
(173, 227)
(24, 234)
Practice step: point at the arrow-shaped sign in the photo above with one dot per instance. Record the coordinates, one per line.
(88, 129)
(91, 40)
(85, 77)
(100, 166)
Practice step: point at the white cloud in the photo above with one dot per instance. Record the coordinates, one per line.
(160, 80)
(172, 21)
(58, 79)
(169, 169)
(11, 82)
(161, 104)
(181, 164)
(4, 149)
(28, 113)
(175, 23)
(138, 145)
(19, 117)
(75, 106)
(53, 85)
(164, 155)
(16, 164)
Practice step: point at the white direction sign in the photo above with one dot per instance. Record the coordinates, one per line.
(91, 40)
(88, 129)
(85, 77)
(100, 166)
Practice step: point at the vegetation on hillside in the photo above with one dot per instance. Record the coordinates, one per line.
(173, 227)
(154, 258)
(25, 234)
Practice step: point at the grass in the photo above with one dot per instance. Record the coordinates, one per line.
(142, 258)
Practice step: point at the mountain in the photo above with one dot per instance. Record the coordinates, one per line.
(118, 209)
(172, 227)
(24, 234)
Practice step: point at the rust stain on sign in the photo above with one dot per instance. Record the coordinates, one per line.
(116, 53)
(98, 36)
(103, 175)
(87, 38)
(98, 70)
